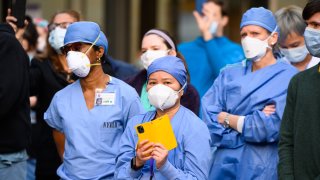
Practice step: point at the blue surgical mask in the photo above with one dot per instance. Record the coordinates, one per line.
(295, 55)
(56, 38)
(312, 40)
(214, 27)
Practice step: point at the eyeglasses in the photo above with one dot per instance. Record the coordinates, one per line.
(63, 25)
(79, 46)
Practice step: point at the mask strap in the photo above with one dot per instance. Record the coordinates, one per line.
(94, 43)
(275, 29)
(185, 84)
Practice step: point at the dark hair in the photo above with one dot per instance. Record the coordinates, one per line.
(223, 5)
(179, 55)
(31, 34)
(310, 9)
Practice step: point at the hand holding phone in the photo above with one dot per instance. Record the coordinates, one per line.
(17, 10)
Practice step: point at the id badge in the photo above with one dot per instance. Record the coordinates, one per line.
(104, 98)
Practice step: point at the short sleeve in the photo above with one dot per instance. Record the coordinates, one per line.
(52, 115)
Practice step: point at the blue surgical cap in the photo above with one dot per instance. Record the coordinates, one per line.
(261, 17)
(171, 65)
(86, 32)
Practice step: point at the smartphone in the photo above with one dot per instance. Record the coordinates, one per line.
(18, 10)
(158, 131)
(199, 4)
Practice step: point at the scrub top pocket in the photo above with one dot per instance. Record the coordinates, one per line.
(109, 137)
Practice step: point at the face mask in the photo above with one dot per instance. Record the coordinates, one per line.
(163, 97)
(79, 62)
(312, 40)
(254, 48)
(56, 38)
(295, 55)
(213, 27)
(149, 56)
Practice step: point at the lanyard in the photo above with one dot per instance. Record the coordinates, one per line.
(151, 169)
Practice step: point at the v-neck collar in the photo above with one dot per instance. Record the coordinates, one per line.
(81, 95)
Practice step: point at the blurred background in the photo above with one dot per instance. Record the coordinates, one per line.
(125, 21)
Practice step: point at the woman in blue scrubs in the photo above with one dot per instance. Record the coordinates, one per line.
(191, 158)
(92, 112)
(244, 106)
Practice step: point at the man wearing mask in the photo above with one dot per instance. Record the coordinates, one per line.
(299, 144)
(207, 54)
(292, 45)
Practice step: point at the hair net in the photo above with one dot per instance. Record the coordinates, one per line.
(261, 17)
(86, 32)
(171, 65)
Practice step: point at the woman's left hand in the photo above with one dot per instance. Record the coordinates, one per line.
(160, 155)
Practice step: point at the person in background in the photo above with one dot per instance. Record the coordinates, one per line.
(299, 144)
(29, 43)
(15, 129)
(157, 43)
(166, 81)
(120, 69)
(42, 29)
(91, 131)
(207, 54)
(291, 41)
(244, 106)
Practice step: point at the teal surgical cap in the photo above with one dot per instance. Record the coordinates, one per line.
(261, 17)
(86, 32)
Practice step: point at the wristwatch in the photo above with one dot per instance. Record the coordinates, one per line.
(134, 166)
(226, 122)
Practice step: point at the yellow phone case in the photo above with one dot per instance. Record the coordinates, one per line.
(158, 131)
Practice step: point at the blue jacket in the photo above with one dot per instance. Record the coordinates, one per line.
(205, 59)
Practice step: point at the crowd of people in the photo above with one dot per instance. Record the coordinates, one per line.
(250, 111)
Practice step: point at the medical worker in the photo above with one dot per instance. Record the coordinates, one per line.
(244, 106)
(210, 52)
(92, 131)
(157, 43)
(191, 159)
(291, 41)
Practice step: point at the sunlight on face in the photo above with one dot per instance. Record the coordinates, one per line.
(161, 77)
(254, 32)
(152, 42)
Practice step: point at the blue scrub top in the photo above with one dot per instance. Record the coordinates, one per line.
(252, 154)
(92, 136)
(191, 159)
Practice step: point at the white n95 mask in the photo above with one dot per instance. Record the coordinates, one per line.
(150, 55)
(56, 38)
(163, 97)
(79, 63)
(295, 55)
(254, 49)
